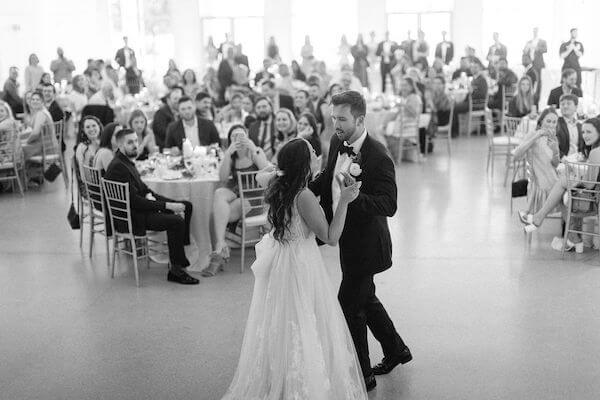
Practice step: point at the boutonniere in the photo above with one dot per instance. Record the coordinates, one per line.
(355, 168)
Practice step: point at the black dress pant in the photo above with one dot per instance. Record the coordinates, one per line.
(178, 231)
(362, 308)
(386, 69)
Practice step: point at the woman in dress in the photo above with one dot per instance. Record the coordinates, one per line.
(297, 344)
(344, 51)
(87, 143)
(139, 123)
(33, 73)
(540, 148)
(360, 53)
(241, 156)
(406, 119)
(106, 147)
(523, 103)
(40, 120)
(307, 55)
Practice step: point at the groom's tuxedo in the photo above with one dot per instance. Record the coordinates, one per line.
(365, 245)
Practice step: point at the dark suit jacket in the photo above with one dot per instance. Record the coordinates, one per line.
(286, 101)
(379, 51)
(56, 112)
(162, 118)
(500, 51)
(225, 74)
(449, 52)
(538, 54)
(105, 114)
(120, 56)
(564, 140)
(254, 133)
(121, 169)
(365, 244)
(262, 75)
(480, 88)
(554, 97)
(242, 59)
(207, 133)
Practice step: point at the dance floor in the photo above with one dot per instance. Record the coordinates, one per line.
(485, 317)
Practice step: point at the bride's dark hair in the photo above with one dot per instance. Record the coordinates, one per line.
(293, 175)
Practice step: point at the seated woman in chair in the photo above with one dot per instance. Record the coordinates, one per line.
(40, 120)
(591, 154)
(241, 156)
(139, 123)
(88, 143)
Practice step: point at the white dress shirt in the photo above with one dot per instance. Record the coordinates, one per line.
(191, 132)
(342, 164)
(573, 136)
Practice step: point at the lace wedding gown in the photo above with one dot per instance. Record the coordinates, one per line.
(297, 344)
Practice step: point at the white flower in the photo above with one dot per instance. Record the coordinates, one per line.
(355, 170)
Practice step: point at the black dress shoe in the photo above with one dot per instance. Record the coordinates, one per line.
(370, 382)
(389, 363)
(181, 277)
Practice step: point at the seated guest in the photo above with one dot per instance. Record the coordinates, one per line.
(204, 106)
(285, 128)
(138, 122)
(49, 93)
(104, 97)
(406, 120)
(200, 131)
(465, 66)
(506, 78)
(262, 131)
(478, 92)
(308, 129)
(568, 86)
(277, 99)
(301, 102)
(241, 156)
(95, 79)
(591, 154)
(106, 147)
(248, 115)
(285, 82)
(165, 115)
(264, 74)
(8, 130)
(40, 120)
(534, 75)
(315, 99)
(78, 97)
(11, 91)
(149, 210)
(540, 149)
(46, 78)
(440, 100)
(232, 112)
(523, 103)
(191, 87)
(297, 73)
(568, 129)
(87, 143)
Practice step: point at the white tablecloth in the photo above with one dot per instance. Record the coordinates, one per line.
(200, 192)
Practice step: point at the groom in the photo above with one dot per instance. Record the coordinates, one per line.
(365, 244)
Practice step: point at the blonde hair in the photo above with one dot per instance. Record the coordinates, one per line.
(290, 116)
(7, 108)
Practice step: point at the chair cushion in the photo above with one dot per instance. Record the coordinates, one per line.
(256, 220)
(503, 141)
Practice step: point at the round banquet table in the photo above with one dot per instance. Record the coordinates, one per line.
(200, 192)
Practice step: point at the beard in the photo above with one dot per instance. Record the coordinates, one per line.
(262, 117)
(131, 154)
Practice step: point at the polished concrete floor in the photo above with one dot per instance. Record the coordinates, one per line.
(485, 316)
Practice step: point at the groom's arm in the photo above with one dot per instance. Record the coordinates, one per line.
(382, 201)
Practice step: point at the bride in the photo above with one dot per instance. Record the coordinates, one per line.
(297, 344)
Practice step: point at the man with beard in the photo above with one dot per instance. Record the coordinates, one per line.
(568, 86)
(262, 131)
(151, 211)
(506, 80)
(165, 115)
(200, 131)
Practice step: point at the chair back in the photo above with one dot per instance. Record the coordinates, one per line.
(59, 130)
(251, 193)
(93, 187)
(508, 92)
(478, 104)
(49, 144)
(8, 146)
(117, 201)
(582, 182)
(511, 124)
(406, 127)
(448, 126)
(489, 126)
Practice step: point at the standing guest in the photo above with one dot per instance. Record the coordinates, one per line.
(212, 52)
(408, 45)
(106, 147)
(360, 52)
(11, 91)
(532, 73)
(226, 45)
(49, 93)
(344, 51)
(225, 73)
(570, 52)
(285, 82)
(315, 100)
(165, 115)
(496, 52)
(232, 112)
(242, 155)
(324, 76)
(262, 132)
(204, 106)
(150, 211)
(199, 131)
(240, 57)
(210, 83)
(385, 50)
(506, 80)
(297, 73)
(138, 122)
(568, 86)
(278, 100)
(540, 149)
(105, 96)
(307, 129)
(523, 102)
(301, 102)
(535, 48)
(464, 67)
(33, 73)
(125, 54)
(133, 78)
(307, 55)
(421, 49)
(478, 92)
(273, 50)
(264, 74)
(568, 129)
(78, 96)
(191, 87)
(440, 100)
(62, 67)
(444, 50)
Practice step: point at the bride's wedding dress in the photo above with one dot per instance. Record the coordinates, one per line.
(297, 344)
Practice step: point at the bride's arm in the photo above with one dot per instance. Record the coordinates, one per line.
(312, 214)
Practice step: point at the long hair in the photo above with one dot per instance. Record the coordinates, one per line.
(136, 114)
(9, 114)
(595, 122)
(107, 134)
(82, 137)
(540, 120)
(293, 161)
(76, 85)
(315, 141)
(524, 100)
(293, 123)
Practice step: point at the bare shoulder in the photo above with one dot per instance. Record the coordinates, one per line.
(306, 200)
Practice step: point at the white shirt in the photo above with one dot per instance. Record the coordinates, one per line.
(191, 132)
(387, 51)
(342, 164)
(573, 136)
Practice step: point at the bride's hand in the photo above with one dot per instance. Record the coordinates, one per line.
(350, 193)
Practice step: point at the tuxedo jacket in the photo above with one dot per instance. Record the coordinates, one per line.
(564, 140)
(449, 52)
(120, 56)
(207, 133)
(393, 48)
(365, 244)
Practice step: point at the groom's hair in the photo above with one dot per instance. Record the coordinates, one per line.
(358, 107)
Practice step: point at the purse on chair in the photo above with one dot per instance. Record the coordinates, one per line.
(72, 215)
(519, 188)
(52, 172)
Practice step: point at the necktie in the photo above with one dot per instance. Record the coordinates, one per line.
(266, 139)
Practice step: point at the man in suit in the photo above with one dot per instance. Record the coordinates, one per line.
(506, 80)
(278, 100)
(200, 131)
(151, 211)
(11, 91)
(444, 50)
(478, 92)
(240, 57)
(49, 93)
(165, 115)
(568, 86)
(568, 129)
(315, 101)
(365, 244)
(125, 55)
(262, 131)
(570, 52)
(385, 50)
(496, 52)
(536, 48)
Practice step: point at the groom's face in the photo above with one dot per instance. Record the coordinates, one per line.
(344, 123)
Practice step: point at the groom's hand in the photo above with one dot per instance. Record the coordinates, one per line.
(348, 180)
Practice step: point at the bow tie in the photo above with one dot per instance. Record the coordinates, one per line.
(346, 149)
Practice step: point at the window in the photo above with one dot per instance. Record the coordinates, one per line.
(430, 16)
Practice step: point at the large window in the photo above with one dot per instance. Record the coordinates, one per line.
(430, 16)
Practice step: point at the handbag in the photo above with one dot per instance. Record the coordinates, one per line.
(52, 172)
(72, 215)
(519, 188)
